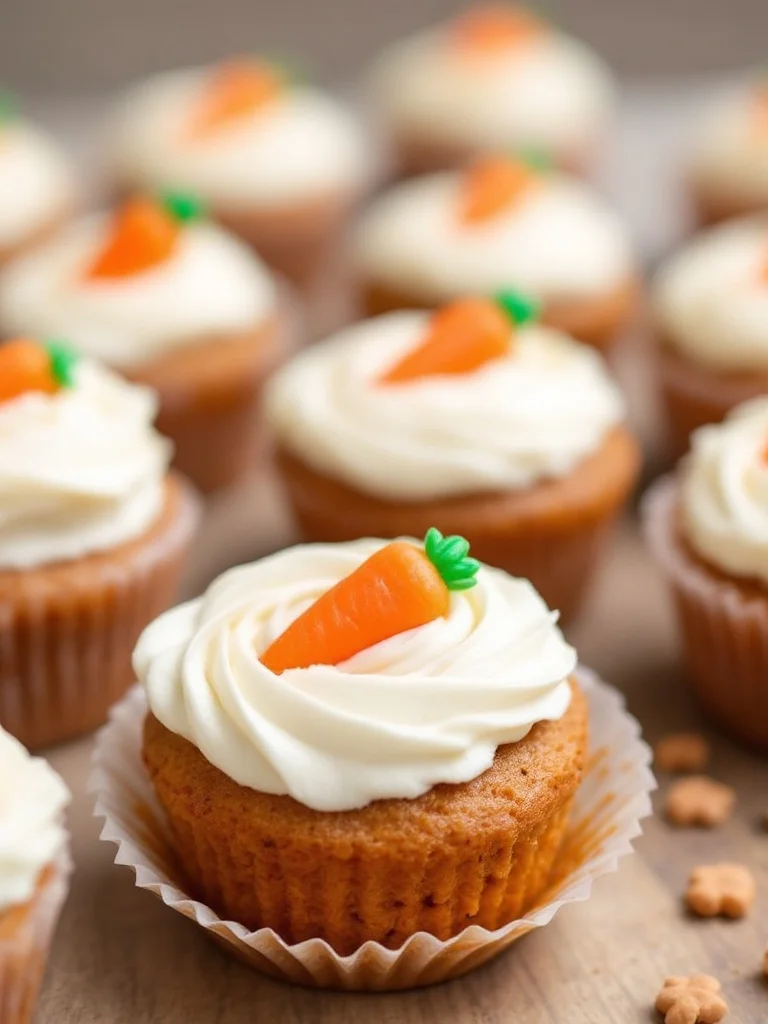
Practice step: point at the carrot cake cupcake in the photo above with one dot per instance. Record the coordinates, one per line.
(33, 883)
(708, 527)
(37, 190)
(503, 222)
(495, 427)
(711, 313)
(496, 77)
(157, 291)
(363, 741)
(278, 162)
(92, 536)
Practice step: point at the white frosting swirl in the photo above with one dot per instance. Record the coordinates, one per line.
(212, 284)
(81, 470)
(36, 182)
(32, 834)
(531, 415)
(711, 298)
(302, 147)
(725, 492)
(427, 706)
(729, 152)
(550, 91)
(560, 241)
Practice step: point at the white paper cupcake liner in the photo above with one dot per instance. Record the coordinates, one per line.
(612, 800)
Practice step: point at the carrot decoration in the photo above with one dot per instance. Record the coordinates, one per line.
(8, 107)
(27, 365)
(494, 28)
(492, 185)
(760, 108)
(398, 588)
(236, 90)
(144, 233)
(463, 336)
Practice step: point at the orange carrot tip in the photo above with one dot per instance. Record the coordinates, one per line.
(521, 309)
(182, 206)
(449, 557)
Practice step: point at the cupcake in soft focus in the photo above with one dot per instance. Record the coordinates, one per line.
(728, 169)
(475, 418)
(33, 874)
(503, 222)
(496, 77)
(711, 314)
(278, 162)
(93, 534)
(160, 293)
(708, 528)
(362, 741)
(37, 188)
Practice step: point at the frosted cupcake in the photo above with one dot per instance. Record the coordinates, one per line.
(708, 527)
(475, 418)
(33, 874)
(711, 312)
(93, 533)
(496, 77)
(362, 741)
(279, 163)
(171, 300)
(37, 191)
(504, 222)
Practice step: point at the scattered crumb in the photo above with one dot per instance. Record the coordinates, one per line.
(699, 800)
(682, 752)
(726, 890)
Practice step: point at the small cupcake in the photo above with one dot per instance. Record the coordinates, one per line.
(505, 431)
(279, 163)
(33, 874)
(504, 222)
(171, 300)
(92, 537)
(711, 314)
(729, 158)
(362, 741)
(708, 528)
(497, 77)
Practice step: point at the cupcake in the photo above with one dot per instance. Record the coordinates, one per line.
(729, 153)
(475, 418)
(708, 528)
(279, 163)
(362, 741)
(496, 77)
(504, 222)
(711, 315)
(92, 536)
(37, 191)
(33, 874)
(160, 293)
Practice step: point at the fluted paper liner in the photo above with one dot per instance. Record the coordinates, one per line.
(609, 805)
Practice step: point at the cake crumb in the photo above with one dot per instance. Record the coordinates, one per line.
(682, 752)
(726, 890)
(699, 800)
(695, 999)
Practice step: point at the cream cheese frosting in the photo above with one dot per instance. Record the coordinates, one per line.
(729, 151)
(711, 299)
(32, 833)
(426, 706)
(211, 284)
(550, 91)
(36, 182)
(560, 241)
(302, 147)
(532, 415)
(725, 492)
(81, 470)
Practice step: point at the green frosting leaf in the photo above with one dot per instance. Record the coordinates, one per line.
(449, 557)
(536, 159)
(8, 106)
(63, 362)
(183, 206)
(521, 309)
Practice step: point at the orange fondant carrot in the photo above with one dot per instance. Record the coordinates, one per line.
(236, 90)
(142, 234)
(27, 365)
(398, 588)
(492, 185)
(492, 28)
(759, 112)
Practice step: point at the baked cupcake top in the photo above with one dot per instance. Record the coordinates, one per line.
(730, 147)
(81, 468)
(725, 492)
(711, 298)
(241, 134)
(130, 286)
(32, 833)
(341, 674)
(502, 223)
(36, 180)
(496, 77)
(414, 405)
